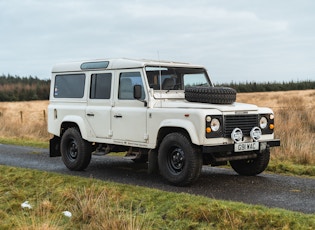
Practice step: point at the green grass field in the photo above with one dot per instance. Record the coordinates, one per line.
(96, 204)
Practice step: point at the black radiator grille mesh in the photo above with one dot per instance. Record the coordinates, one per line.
(245, 122)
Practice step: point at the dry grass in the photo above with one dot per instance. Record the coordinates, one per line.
(26, 120)
(294, 119)
(101, 209)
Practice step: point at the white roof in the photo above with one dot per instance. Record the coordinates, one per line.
(121, 63)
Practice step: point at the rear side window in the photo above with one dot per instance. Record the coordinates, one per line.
(101, 86)
(69, 86)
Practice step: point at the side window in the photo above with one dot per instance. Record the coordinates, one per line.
(100, 86)
(69, 86)
(127, 81)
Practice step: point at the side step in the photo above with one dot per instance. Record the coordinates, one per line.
(134, 155)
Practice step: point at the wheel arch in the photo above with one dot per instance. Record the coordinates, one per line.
(178, 125)
(73, 122)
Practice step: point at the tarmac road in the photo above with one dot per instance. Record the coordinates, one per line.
(292, 193)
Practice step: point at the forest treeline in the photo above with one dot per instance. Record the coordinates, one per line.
(270, 86)
(15, 88)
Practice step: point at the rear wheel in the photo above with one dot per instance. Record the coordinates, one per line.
(179, 162)
(75, 152)
(252, 167)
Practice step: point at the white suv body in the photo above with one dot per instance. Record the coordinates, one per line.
(142, 107)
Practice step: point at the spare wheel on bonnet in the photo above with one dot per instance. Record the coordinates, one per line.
(212, 95)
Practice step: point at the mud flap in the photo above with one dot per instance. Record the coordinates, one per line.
(153, 166)
(54, 147)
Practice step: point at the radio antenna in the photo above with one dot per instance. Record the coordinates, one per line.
(160, 71)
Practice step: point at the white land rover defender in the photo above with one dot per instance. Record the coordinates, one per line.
(168, 114)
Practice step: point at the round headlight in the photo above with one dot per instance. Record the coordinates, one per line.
(215, 124)
(263, 122)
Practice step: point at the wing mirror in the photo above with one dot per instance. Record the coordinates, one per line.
(137, 92)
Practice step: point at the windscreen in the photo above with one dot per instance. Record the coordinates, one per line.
(176, 78)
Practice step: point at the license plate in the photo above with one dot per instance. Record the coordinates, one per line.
(241, 147)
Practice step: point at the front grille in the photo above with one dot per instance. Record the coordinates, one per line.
(245, 122)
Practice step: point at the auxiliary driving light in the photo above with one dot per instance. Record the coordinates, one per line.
(237, 135)
(255, 133)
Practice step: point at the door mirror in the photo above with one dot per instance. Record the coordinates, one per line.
(137, 92)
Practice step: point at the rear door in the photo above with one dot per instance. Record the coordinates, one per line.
(99, 107)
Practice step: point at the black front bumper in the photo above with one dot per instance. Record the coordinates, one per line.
(230, 147)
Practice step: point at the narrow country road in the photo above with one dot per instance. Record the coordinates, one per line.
(292, 193)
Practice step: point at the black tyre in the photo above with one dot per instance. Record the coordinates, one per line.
(212, 95)
(179, 162)
(75, 152)
(252, 167)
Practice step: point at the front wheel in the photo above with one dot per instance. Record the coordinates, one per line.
(75, 152)
(252, 167)
(179, 161)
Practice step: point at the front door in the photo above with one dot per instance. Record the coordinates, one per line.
(129, 115)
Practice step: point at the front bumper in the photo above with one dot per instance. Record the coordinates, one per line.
(230, 147)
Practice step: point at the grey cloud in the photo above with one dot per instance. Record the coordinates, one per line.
(246, 40)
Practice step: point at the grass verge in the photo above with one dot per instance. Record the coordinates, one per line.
(289, 168)
(96, 204)
(24, 142)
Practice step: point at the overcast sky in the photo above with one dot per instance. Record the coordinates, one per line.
(236, 40)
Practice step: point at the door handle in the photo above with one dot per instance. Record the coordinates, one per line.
(90, 114)
(118, 116)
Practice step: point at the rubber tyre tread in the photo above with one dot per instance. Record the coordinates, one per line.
(211, 95)
(252, 167)
(84, 148)
(193, 160)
